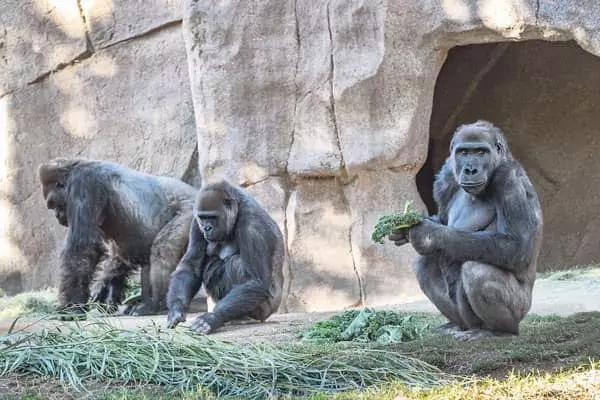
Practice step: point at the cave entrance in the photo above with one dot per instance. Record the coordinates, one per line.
(545, 96)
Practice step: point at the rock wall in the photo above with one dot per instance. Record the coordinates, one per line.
(323, 110)
(328, 105)
(102, 79)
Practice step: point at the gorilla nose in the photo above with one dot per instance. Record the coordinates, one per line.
(471, 171)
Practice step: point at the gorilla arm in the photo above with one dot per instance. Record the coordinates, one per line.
(85, 242)
(513, 245)
(186, 280)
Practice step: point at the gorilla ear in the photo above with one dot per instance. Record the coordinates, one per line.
(48, 173)
(501, 145)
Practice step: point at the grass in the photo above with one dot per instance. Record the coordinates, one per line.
(28, 303)
(550, 359)
(180, 361)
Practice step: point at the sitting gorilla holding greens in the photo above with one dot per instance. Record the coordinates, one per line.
(478, 256)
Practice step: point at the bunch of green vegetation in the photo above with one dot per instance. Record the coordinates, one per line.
(368, 325)
(133, 289)
(28, 303)
(181, 361)
(387, 223)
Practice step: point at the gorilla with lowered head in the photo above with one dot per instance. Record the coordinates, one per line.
(123, 218)
(237, 251)
(478, 256)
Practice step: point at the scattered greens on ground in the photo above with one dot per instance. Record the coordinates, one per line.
(132, 290)
(182, 361)
(368, 325)
(387, 223)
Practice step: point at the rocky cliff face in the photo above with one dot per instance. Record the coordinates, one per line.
(325, 111)
(328, 105)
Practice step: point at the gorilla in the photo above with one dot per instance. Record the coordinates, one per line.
(478, 255)
(121, 218)
(237, 251)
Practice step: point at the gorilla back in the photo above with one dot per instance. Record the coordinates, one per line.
(478, 256)
(237, 251)
(146, 217)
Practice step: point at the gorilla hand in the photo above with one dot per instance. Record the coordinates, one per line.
(424, 236)
(399, 236)
(204, 323)
(176, 316)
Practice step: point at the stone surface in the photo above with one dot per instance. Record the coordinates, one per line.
(112, 21)
(323, 274)
(321, 108)
(343, 91)
(386, 273)
(314, 150)
(97, 109)
(36, 37)
(272, 195)
(242, 77)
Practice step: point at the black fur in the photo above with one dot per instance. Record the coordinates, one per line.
(144, 218)
(478, 256)
(240, 266)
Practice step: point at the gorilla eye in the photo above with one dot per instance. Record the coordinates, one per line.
(60, 185)
(463, 152)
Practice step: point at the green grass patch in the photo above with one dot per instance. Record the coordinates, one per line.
(370, 325)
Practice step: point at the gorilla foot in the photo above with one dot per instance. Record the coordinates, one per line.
(476, 334)
(448, 328)
(204, 324)
(140, 309)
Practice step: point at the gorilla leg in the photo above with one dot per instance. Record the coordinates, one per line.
(108, 287)
(433, 283)
(492, 300)
(167, 249)
(237, 294)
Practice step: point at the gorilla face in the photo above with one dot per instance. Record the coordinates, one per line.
(215, 214)
(475, 157)
(56, 199)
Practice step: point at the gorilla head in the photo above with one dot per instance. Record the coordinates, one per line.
(476, 151)
(54, 176)
(216, 213)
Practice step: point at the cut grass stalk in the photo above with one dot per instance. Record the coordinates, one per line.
(182, 361)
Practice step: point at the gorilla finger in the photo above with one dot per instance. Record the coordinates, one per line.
(397, 236)
(401, 242)
(175, 319)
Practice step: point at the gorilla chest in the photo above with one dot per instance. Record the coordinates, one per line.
(468, 213)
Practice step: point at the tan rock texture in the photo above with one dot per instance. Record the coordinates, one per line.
(331, 113)
(130, 103)
(336, 98)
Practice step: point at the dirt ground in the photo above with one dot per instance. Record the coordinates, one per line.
(551, 296)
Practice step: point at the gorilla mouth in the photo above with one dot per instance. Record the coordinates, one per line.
(472, 184)
(473, 187)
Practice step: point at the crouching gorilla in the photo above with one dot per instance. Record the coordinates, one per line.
(237, 251)
(123, 218)
(478, 256)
